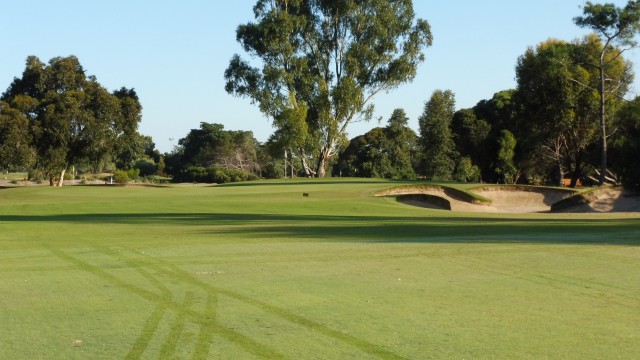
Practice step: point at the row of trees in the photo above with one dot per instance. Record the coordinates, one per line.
(316, 66)
(322, 61)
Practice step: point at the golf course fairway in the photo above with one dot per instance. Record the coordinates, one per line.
(257, 270)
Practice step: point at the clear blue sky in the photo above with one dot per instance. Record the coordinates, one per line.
(174, 53)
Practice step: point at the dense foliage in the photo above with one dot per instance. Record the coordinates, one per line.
(321, 64)
(58, 118)
(382, 152)
(212, 154)
(436, 140)
(316, 65)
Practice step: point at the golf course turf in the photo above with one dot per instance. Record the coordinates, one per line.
(257, 270)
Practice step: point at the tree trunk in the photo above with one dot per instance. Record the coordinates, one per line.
(52, 181)
(61, 181)
(323, 162)
(603, 126)
(560, 174)
(308, 171)
(577, 171)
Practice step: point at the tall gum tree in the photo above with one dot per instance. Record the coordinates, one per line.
(321, 62)
(616, 27)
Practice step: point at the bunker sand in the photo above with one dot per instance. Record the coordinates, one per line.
(516, 199)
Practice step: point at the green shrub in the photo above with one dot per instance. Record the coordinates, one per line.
(121, 177)
(134, 174)
(36, 175)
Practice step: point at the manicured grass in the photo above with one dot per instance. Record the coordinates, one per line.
(257, 270)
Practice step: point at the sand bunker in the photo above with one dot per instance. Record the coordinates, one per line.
(606, 200)
(514, 199)
(520, 199)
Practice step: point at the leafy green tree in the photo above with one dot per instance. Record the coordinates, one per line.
(617, 28)
(436, 140)
(15, 144)
(381, 152)
(470, 135)
(130, 146)
(322, 63)
(626, 145)
(559, 113)
(72, 118)
(506, 153)
(466, 171)
(211, 146)
(402, 143)
(497, 113)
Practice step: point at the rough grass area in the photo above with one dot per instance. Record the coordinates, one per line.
(260, 271)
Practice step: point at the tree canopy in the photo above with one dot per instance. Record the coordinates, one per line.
(213, 154)
(70, 117)
(617, 28)
(436, 140)
(382, 152)
(322, 62)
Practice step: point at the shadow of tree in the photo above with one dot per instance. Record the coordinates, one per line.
(428, 229)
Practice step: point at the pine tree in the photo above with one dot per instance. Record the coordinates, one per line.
(436, 139)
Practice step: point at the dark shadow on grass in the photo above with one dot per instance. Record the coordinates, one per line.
(428, 229)
(312, 182)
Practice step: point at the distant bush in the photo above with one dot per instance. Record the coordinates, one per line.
(121, 177)
(146, 167)
(213, 175)
(36, 175)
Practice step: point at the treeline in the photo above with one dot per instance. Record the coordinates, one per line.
(56, 123)
(566, 122)
(554, 128)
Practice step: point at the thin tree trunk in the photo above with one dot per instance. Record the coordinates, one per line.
(305, 164)
(61, 181)
(603, 126)
(560, 174)
(577, 170)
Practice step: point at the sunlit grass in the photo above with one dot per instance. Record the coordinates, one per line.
(259, 270)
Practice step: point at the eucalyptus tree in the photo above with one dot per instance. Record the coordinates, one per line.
(558, 114)
(321, 62)
(436, 139)
(211, 146)
(72, 118)
(470, 135)
(617, 28)
(627, 144)
(15, 144)
(382, 152)
(506, 153)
